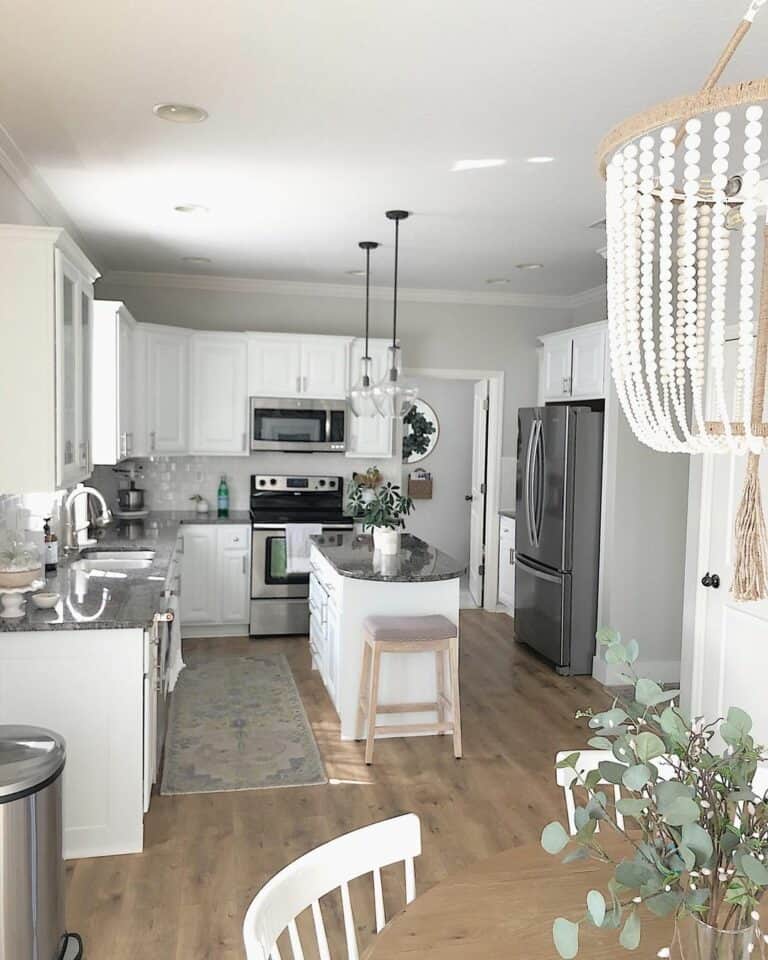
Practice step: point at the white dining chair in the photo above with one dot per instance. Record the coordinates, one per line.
(301, 884)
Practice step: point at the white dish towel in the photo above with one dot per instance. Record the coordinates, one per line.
(297, 545)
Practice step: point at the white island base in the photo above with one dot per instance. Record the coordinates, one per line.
(338, 606)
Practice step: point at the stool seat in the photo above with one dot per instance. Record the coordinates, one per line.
(432, 627)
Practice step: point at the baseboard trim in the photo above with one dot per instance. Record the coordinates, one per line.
(192, 631)
(614, 675)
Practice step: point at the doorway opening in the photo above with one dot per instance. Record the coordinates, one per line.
(460, 512)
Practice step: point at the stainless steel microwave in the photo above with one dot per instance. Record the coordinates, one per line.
(296, 425)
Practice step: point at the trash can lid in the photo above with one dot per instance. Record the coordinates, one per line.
(30, 757)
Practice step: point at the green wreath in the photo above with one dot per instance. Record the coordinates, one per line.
(417, 439)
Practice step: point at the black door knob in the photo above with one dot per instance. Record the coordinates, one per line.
(715, 580)
(468, 496)
(706, 580)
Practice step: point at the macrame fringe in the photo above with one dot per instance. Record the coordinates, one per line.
(750, 572)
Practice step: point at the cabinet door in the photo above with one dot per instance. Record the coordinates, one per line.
(84, 383)
(324, 368)
(369, 436)
(333, 640)
(67, 308)
(218, 368)
(507, 566)
(167, 391)
(588, 365)
(556, 368)
(150, 720)
(274, 366)
(198, 578)
(234, 573)
(126, 386)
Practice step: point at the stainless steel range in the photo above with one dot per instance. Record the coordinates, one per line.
(279, 600)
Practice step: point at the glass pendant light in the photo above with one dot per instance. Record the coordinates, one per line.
(393, 396)
(361, 394)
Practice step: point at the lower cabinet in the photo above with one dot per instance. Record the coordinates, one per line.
(215, 580)
(507, 563)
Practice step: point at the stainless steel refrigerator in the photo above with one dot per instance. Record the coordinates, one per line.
(557, 541)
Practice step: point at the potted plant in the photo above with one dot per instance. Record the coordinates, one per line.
(383, 513)
(201, 504)
(19, 562)
(699, 846)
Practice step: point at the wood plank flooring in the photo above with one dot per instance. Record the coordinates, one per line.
(206, 855)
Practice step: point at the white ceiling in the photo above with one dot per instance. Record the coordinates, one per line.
(324, 113)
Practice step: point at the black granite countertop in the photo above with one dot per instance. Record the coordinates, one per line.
(121, 599)
(508, 513)
(352, 555)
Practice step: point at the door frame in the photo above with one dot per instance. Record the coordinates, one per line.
(495, 380)
(697, 545)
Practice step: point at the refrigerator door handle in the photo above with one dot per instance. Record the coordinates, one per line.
(537, 571)
(528, 485)
(539, 462)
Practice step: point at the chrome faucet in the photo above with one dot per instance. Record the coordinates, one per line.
(70, 530)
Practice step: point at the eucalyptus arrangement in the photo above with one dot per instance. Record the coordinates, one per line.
(699, 842)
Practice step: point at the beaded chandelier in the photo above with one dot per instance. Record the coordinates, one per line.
(686, 223)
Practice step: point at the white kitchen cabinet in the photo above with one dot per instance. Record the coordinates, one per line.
(507, 563)
(215, 581)
(45, 383)
(573, 364)
(112, 370)
(166, 393)
(219, 398)
(369, 436)
(297, 366)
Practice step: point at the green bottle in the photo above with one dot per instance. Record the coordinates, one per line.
(222, 498)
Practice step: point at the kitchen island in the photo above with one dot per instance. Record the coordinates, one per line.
(351, 581)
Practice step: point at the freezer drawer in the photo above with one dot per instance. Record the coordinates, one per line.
(542, 611)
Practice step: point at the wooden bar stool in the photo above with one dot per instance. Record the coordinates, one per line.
(409, 635)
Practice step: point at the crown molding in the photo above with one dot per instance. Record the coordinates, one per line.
(346, 291)
(593, 295)
(36, 190)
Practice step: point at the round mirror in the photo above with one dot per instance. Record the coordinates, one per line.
(421, 429)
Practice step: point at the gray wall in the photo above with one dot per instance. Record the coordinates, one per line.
(444, 520)
(14, 206)
(433, 335)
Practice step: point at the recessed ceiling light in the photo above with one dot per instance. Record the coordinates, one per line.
(180, 112)
(190, 208)
(461, 165)
(540, 160)
(197, 260)
(497, 281)
(355, 273)
(529, 266)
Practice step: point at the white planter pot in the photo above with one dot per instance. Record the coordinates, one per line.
(386, 540)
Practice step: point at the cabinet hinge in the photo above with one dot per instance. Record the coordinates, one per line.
(481, 570)
(482, 488)
(486, 403)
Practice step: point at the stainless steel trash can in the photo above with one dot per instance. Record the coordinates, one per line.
(31, 863)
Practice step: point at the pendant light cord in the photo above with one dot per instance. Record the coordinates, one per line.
(367, 295)
(394, 298)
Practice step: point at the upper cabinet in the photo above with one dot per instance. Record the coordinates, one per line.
(572, 364)
(166, 394)
(113, 427)
(46, 314)
(369, 436)
(297, 366)
(219, 401)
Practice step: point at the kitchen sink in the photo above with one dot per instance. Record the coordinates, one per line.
(105, 561)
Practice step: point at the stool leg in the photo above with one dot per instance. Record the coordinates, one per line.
(364, 680)
(440, 683)
(455, 699)
(373, 702)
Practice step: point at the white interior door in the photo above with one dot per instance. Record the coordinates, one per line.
(730, 649)
(477, 515)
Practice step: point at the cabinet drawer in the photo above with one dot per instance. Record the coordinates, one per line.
(233, 536)
(507, 527)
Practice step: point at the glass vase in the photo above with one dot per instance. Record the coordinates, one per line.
(696, 940)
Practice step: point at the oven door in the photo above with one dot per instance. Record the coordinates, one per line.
(296, 425)
(269, 578)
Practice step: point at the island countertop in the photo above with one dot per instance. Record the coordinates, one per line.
(352, 555)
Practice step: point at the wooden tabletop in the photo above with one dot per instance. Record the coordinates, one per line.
(504, 907)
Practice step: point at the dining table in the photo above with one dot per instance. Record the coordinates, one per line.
(503, 908)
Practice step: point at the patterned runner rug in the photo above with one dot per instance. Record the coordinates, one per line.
(238, 723)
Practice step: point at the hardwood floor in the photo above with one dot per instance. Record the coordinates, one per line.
(206, 855)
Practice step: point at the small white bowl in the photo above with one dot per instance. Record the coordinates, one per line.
(45, 600)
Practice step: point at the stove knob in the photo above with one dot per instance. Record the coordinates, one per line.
(262, 482)
(272, 481)
(321, 483)
(331, 483)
